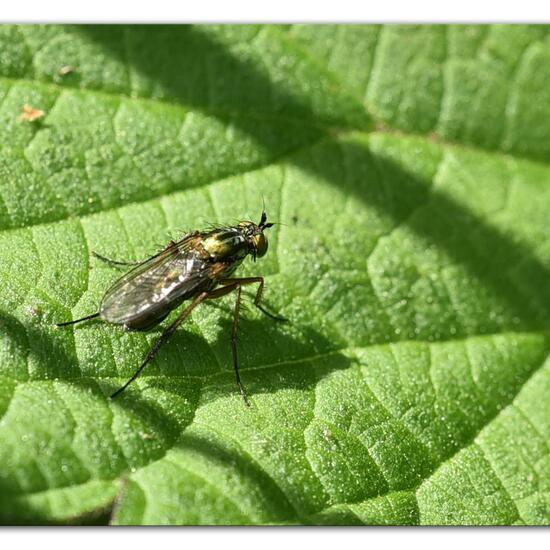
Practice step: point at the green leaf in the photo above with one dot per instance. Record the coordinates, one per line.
(408, 166)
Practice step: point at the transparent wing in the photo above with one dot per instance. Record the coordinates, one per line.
(156, 286)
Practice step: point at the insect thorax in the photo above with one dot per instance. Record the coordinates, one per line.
(226, 244)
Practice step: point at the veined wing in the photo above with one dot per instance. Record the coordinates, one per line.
(153, 288)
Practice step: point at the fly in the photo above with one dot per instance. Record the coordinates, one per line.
(197, 268)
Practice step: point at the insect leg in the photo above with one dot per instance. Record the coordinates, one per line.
(218, 293)
(259, 292)
(93, 316)
(115, 263)
(234, 344)
(162, 339)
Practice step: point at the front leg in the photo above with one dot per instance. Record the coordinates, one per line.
(218, 293)
(228, 286)
(250, 281)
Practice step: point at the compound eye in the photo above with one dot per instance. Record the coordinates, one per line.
(261, 244)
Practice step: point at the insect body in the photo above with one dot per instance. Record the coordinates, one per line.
(199, 267)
